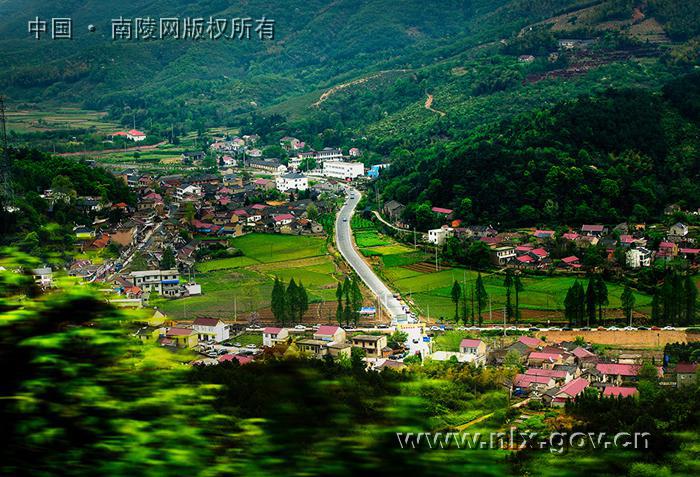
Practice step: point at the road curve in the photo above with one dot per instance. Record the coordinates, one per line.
(343, 240)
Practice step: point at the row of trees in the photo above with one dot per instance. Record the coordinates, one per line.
(674, 302)
(290, 303)
(478, 298)
(580, 306)
(349, 298)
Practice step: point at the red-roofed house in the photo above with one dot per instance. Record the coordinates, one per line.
(686, 373)
(619, 391)
(475, 347)
(235, 357)
(571, 236)
(540, 253)
(182, 337)
(524, 383)
(546, 360)
(560, 376)
(544, 234)
(135, 135)
(330, 333)
(530, 342)
(593, 230)
(559, 396)
(584, 357)
(441, 210)
(210, 328)
(571, 261)
(283, 219)
(273, 335)
(617, 373)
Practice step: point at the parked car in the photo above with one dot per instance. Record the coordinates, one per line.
(300, 327)
(250, 346)
(238, 345)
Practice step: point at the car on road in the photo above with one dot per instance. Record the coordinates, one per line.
(300, 327)
(613, 328)
(643, 328)
(415, 341)
(434, 328)
(238, 345)
(668, 328)
(383, 326)
(630, 328)
(250, 346)
(345, 219)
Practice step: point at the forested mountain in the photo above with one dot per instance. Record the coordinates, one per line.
(446, 46)
(619, 155)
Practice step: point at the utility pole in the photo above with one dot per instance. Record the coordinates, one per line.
(436, 257)
(415, 244)
(6, 192)
(504, 321)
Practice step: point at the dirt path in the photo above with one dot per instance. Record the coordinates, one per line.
(429, 105)
(486, 416)
(343, 86)
(107, 151)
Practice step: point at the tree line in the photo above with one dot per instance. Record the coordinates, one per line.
(289, 303)
(474, 299)
(349, 298)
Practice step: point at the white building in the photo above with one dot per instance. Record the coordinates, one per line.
(329, 154)
(474, 349)
(182, 192)
(163, 282)
(292, 181)
(343, 170)
(438, 236)
(135, 135)
(638, 257)
(273, 335)
(210, 328)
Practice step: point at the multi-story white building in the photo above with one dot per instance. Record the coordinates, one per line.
(438, 236)
(501, 255)
(210, 328)
(638, 257)
(163, 282)
(343, 170)
(292, 181)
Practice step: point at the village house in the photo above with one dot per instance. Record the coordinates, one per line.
(163, 282)
(292, 181)
(135, 135)
(373, 345)
(678, 230)
(439, 236)
(314, 347)
(616, 373)
(638, 257)
(557, 397)
(544, 359)
(180, 338)
(619, 391)
(524, 384)
(502, 255)
(393, 210)
(273, 335)
(593, 230)
(330, 333)
(343, 170)
(210, 329)
(686, 373)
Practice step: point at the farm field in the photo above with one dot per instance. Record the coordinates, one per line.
(414, 276)
(36, 120)
(247, 280)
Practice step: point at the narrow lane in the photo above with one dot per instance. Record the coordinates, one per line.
(343, 240)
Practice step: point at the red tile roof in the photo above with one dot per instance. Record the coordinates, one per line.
(524, 380)
(241, 359)
(582, 353)
(281, 217)
(440, 210)
(178, 332)
(530, 342)
(202, 321)
(271, 330)
(570, 236)
(690, 250)
(540, 252)
(622, 391)
(551, 373)
(618, 369)
(134, 132)
(326, 330)
(574, 387)
(592, 228)
(469, 343)
(571, 259)
(544, 356)
(686, 368)
(525, 259)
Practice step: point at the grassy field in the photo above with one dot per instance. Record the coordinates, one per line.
(37, 120)
(246, 281)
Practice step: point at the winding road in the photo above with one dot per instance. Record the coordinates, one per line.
(344, 242)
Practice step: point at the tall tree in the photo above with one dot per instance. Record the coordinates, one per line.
(302, 301)
(355, 299)
(167, 261)
(508, 284)
(292, 299)
(601, 296)
(627, 301)
(339, 307)
(456, 293)
(518, 285)
(691, 296)
(482, 297)
(279, 305)
(591, 300)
